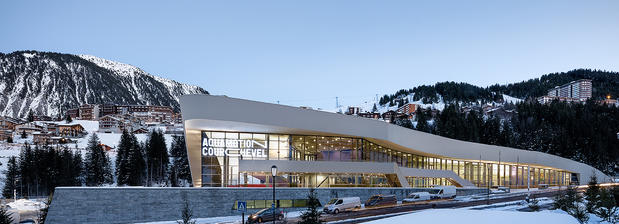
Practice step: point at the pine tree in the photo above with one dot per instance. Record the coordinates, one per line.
(5, 217)
(422, 121)
(11, 174)
(68, 119)
(404, 122)
(534, 205)
(474, 124)
(137, 165)
(592, 194)
(45, 209)
(374, 109)
(607, 208)
(180, 171)
(186, 213)
(27, 171)
(580, 213)
(567, 202)
(506, 135)
(312, 214)
(77, 167)
(30, 116)
(157, 157)
(122, 158)
(98, 170)
(491, 131)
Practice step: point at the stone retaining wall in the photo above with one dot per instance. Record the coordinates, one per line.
(144, 204)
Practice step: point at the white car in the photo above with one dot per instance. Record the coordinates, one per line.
(337, 205)
(417, 196)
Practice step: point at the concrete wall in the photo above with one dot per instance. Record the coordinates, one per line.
(140, 204)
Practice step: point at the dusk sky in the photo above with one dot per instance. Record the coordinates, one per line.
(307, 53)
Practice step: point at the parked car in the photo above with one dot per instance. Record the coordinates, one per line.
(417, 196)
(380, 200)
(28, 221)
(504, 189)
(266, 215)
(337, 205)
(443, 192)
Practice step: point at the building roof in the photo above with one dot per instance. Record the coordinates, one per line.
(231, 114)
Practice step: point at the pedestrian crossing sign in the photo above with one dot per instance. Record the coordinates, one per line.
(241, 206)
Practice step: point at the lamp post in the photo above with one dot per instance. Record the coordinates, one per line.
(273, 174)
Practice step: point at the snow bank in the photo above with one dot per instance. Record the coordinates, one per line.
(511, 99)
(450, 216)
(26, 205)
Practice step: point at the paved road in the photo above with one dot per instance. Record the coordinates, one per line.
(383, 212)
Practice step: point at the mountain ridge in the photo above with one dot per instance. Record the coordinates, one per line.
(49, 83)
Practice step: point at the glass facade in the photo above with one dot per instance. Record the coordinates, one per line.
(222, 151)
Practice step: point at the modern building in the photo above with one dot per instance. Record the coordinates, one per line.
(372, 115)
(575, 91)
(146, 113)
(353, 110)
(71, 130)
(29, 128)
(408, 109)
(8, 123)
(74, 113)
(234, 142)
(117, 123)
(89, 112)
(391, 115)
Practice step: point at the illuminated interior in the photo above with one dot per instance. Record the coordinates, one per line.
(223, 151)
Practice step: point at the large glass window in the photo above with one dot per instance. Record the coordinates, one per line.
(223, 151)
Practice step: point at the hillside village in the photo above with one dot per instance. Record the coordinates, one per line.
(401, 106)
(106, 118)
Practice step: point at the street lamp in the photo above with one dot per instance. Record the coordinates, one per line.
(273, 174)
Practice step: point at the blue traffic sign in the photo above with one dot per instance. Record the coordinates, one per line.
(241, 206)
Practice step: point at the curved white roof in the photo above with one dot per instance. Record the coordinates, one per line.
(207, 112)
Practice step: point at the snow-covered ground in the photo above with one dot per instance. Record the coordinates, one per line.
(505, 213)
(26, 205)
(449, 216)
(368, 104)
(511, 99)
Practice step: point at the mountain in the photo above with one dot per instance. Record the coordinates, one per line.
(50, 83)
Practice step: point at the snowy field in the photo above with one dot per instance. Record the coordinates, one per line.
(504, 213)
(450, 216)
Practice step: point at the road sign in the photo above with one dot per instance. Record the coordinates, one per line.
(241, 206)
